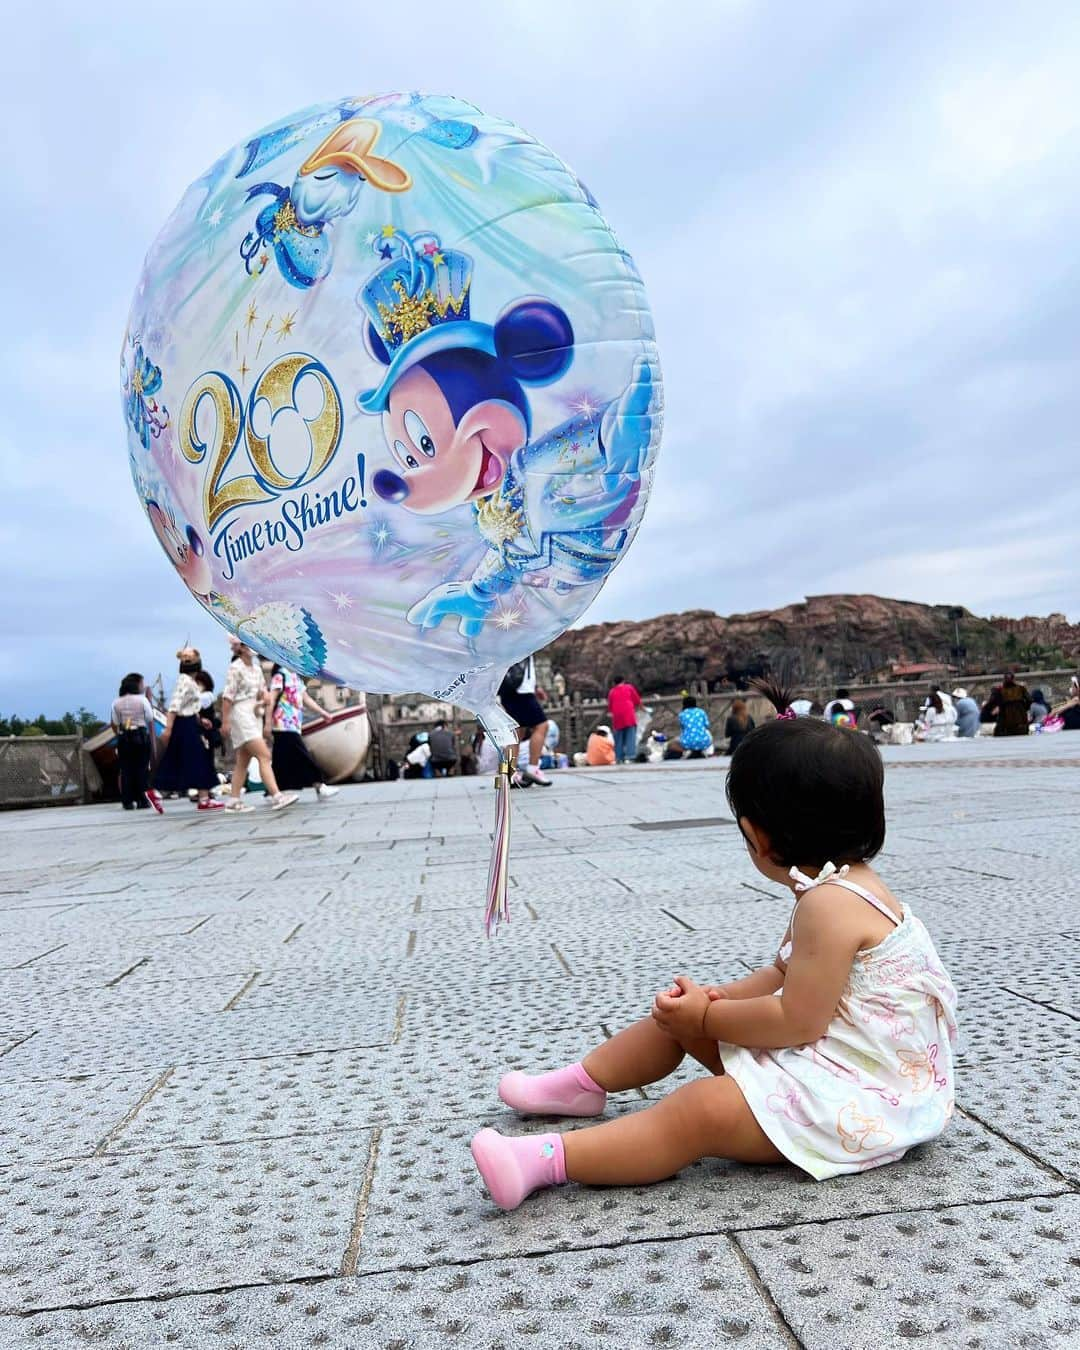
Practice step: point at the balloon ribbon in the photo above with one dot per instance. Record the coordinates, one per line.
(498, 909)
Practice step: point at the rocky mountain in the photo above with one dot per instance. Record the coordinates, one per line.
(824, 639)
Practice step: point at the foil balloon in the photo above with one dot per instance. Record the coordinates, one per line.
(392, 398)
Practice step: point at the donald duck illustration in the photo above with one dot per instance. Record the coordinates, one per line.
(294, 224)
(554, 512)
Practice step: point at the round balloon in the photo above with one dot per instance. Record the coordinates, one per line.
(392, 396)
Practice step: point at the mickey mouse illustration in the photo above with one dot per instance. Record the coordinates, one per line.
(554, 512)
(184, 549)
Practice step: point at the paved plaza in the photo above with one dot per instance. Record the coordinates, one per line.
(241, 1059)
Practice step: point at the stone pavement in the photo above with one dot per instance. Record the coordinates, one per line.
(241, 1058)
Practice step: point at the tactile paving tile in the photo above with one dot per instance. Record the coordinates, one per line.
(137, 995)
(981, 1277)
(428, 1205)
(1033, 1102)
(996, 1025)
(68, 1048)
(131, 1227)
(1056, 986)
(678, 1293)
(65, 1117)
(436, 1077)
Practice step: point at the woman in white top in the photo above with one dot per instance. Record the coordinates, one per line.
(242, 703)
(133, 721)
(184, 762)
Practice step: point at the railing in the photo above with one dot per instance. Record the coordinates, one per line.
(41, 770)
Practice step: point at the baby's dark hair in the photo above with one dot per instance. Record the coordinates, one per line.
(205, 681)
(816, 791)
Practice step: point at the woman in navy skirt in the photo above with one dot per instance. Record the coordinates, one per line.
(185, 763)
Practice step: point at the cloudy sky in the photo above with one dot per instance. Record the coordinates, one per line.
(859, 224)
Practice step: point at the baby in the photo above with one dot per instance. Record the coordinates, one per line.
(836, 1057)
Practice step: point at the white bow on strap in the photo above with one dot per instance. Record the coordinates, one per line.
(830, 872)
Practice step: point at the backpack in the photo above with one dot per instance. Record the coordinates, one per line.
(511, 681)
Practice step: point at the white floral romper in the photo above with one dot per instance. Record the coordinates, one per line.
(881, 1078)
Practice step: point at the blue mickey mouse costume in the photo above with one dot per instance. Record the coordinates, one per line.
(554, 511)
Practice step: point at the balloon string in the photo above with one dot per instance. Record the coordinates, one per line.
(498, 908)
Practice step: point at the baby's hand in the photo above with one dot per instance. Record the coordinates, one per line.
(681, 1011)
(715, 991)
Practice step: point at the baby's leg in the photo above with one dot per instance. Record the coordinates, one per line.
(706, 1119)
(643, 1054)
(639, 1055)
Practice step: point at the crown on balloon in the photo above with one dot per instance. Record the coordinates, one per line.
(421, 287)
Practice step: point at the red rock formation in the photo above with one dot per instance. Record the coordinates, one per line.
(824, 639)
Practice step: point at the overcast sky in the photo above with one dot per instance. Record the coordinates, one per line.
(859, 225)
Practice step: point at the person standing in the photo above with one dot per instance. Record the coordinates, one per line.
(695, 733)
(623, 701)
(739, 725)
(185, 764)
(1008, 704)
(967, 714)
(242, 703)
(520, 699)
(132, 719)
(291, 760)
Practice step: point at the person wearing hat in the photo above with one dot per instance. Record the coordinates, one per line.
(967, 714)
(294, 224)
(555, 512)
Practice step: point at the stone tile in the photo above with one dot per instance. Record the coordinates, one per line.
(68, 1048)
(64, 1118)
(119, 1227)
(675, 1293)
(435, 1078)
(980, 1277)
(1032, 1102)
(428, 1205)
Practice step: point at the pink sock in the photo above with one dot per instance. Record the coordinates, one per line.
(514, 1168)
(562, 1092)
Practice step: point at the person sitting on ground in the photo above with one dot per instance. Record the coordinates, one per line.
(840, 704)
(936, 720)
(444, 752)
(1069, 711)
(694, 728)
(967, 714)
(801, 1066)
(738, 726)
(1008, 706)
(1039, 710)
(673, 749)
(600, 750)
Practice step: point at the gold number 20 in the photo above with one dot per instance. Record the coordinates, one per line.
(277, 386)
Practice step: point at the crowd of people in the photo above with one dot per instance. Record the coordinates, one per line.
(262, 724)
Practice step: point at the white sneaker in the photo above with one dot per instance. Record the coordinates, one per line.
(236, 804)
(282, 800)
(534, 775)
(324, 790)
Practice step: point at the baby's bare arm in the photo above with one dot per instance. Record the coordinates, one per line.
(767, 980)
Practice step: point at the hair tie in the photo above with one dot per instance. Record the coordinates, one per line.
(788, 715)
